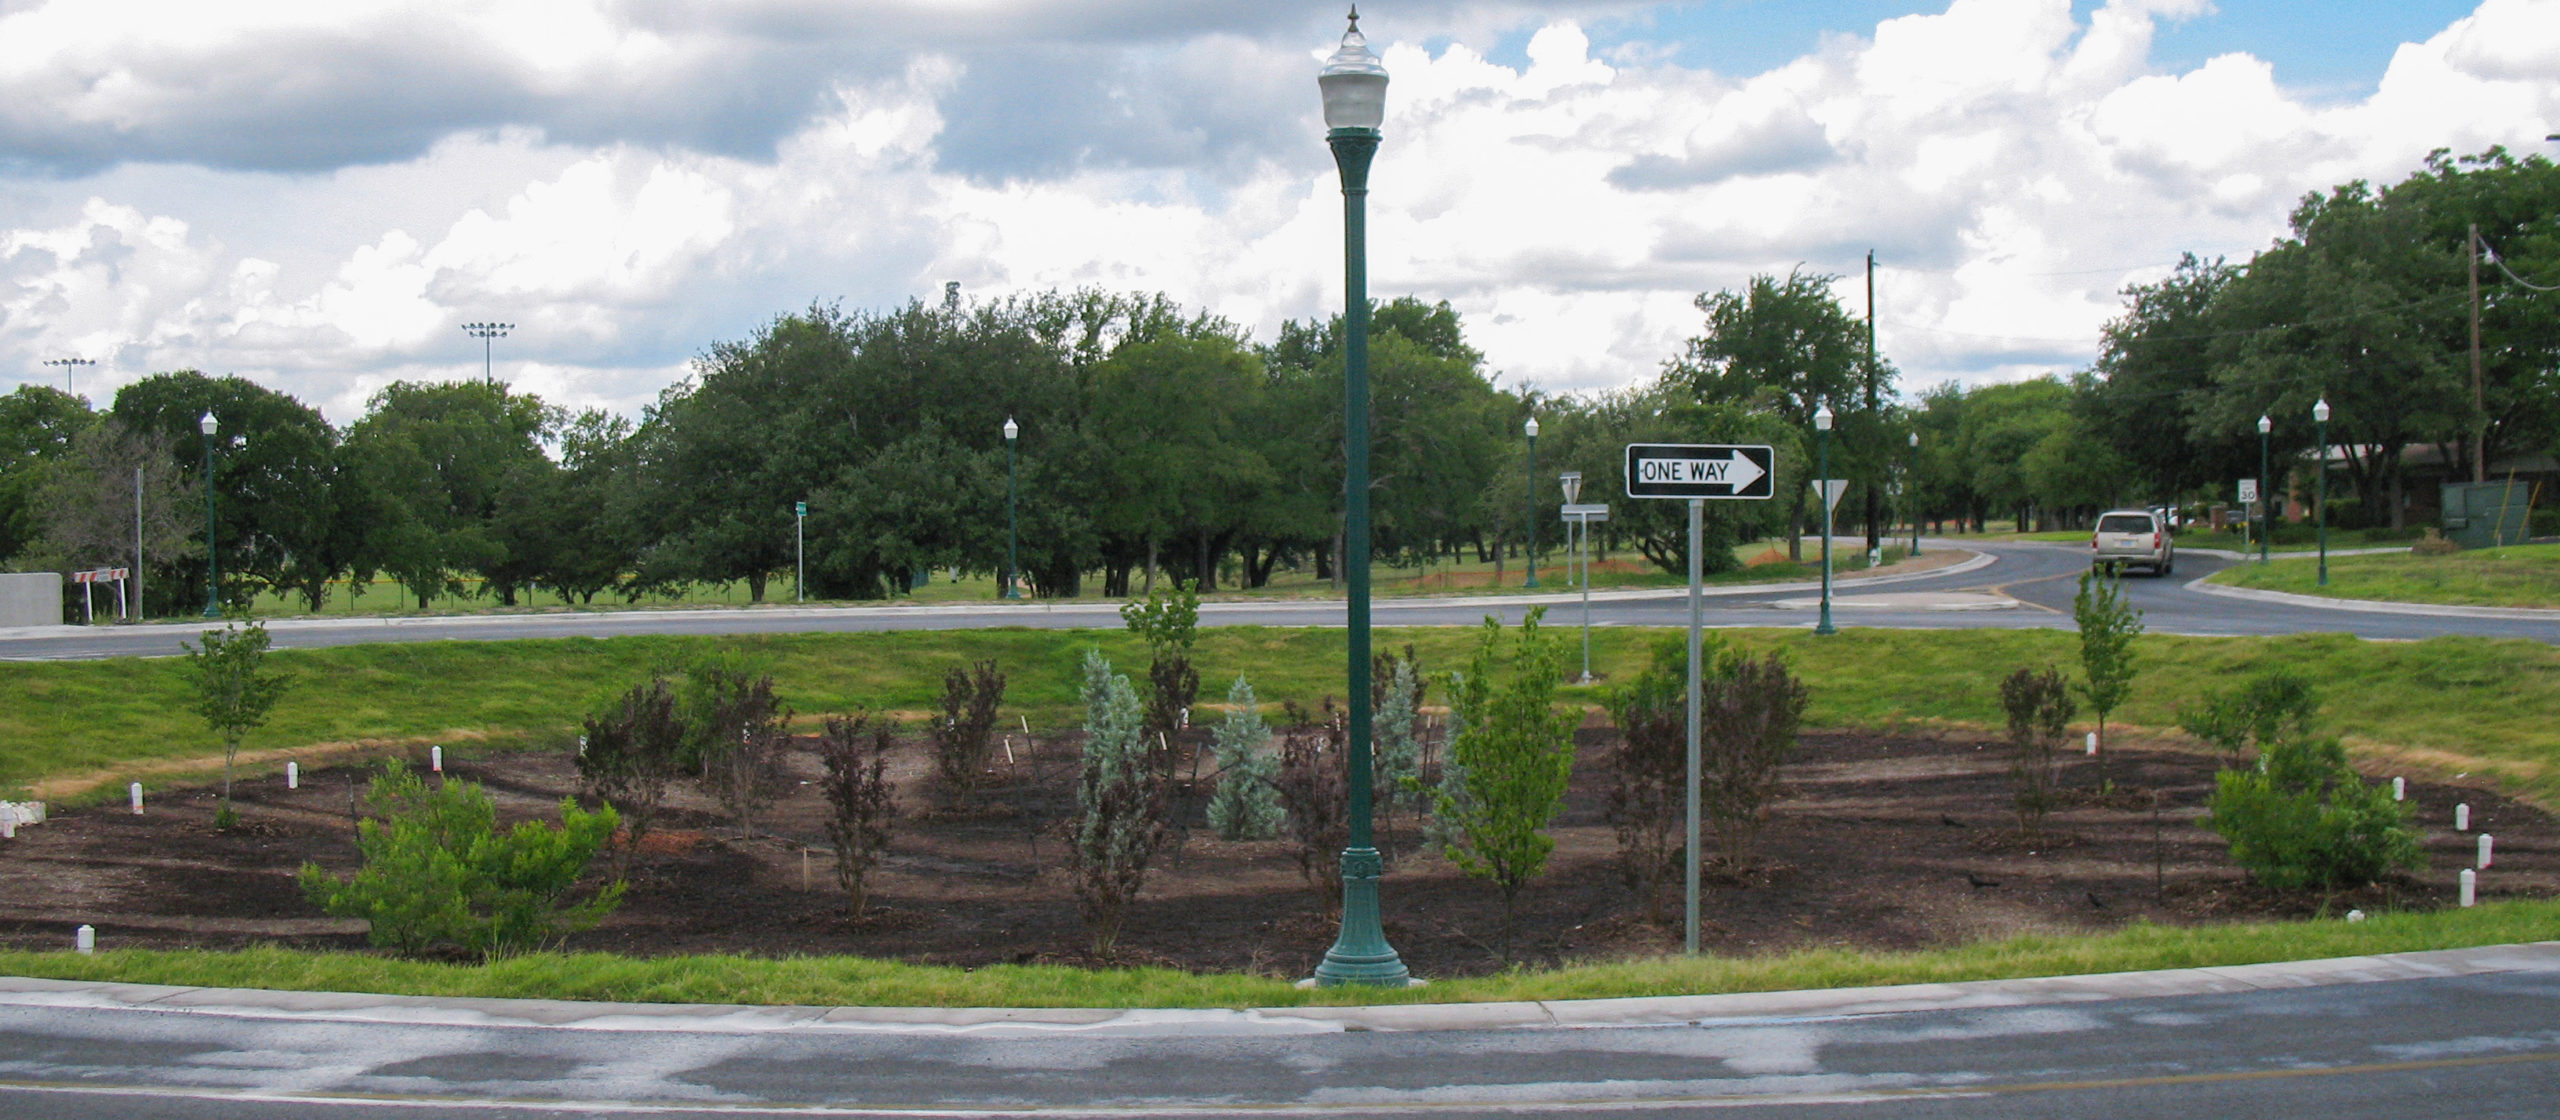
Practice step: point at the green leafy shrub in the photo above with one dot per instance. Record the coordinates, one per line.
(1245, 806)
(2303, 818)
(1511, 757)
(1169, 621)
(2272, 707)
(438, 874)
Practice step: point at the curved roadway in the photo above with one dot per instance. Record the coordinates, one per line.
(2023, 584)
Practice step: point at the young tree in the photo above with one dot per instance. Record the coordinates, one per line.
(438, 872)
(2274, 706)
(629, 757)
(1396, 743)
(1314, 786)
(1648, 773)
(1169, 621)
(2108, 623)
(1747, 728)
(964, 738)
(2039, 709)
(1514, 756)
(739, 734)
(1120, 796)
(1245, 806)
(860, 807)
(234, 692)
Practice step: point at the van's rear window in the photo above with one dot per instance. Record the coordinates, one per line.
(2125, 523)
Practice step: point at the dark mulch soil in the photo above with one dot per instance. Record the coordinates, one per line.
(1881, 842)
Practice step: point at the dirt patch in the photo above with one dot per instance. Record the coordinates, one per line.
(1882, 842)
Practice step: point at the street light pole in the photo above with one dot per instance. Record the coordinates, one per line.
(800, 549)
(1011, 430)
(1532, 428)
(2320, 413)
(2266, 489)
(1355, 104)
(1911, 486)
(212, 563)
(1822, 441)
(486, 332)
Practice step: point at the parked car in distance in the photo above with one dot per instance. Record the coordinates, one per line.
(2126, 537)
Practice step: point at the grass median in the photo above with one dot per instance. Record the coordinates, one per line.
(2518, 576)
(864, 982)
(2456, 703)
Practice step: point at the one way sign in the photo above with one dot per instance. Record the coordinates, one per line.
(1698, 470)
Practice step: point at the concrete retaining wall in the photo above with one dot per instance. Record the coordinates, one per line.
(30, 599)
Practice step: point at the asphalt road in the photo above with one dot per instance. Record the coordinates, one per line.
(2477, 1046)
(2038, 577)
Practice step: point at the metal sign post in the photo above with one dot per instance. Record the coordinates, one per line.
(1699, 473)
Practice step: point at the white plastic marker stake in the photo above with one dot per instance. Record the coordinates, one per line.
(293, 775)
(2462, 817)
(2485, 845)
(133, 793)
(84, 939)
(1026, 727)
(2470, 886)
(2093, 743)
(435, 759)
(2399, 789)
(1008, 750)
(8, 823)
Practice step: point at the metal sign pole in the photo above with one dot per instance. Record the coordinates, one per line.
(1697, 696)
(1583, 554)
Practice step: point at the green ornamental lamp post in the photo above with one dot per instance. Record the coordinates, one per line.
(2266, 489)
(1011, 431)
(212, 577)
(1913, 489)
(1822, 441)
(2320, 414)
(1355, 104)
(1532, 429)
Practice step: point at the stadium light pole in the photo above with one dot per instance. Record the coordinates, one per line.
(1355, 104)
(487, 333)
(69, 365)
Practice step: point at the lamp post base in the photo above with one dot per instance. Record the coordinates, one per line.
(1361, 955)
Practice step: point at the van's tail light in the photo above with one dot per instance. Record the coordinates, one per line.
(2155, 539)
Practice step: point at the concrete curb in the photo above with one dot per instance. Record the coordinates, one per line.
(2368, 606)
(2229, 554)
(1741, 1007)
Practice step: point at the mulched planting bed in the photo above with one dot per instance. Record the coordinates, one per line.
(1881, 842)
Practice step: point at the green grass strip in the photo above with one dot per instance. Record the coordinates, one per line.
(2526, 575)
(2454, 704)
(861, 982)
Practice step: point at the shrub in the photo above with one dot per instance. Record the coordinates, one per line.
(1120, 799)
(1245, 806)
(855, 753)
(1395, 742)
(1746, 729)
(964, 738)
(1513, 757)
(1314, 787)
(629, 757)
(1168, 620)
(739, 736)
(438, 873)
(1648, 774)
(234, 692)
(2107, 624)
(2039, 710)
(2273, 706)
(2303, 818)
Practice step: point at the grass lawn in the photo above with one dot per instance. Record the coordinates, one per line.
(2461, 704)
(855, 981)
(2294, 538)
(2526, 575)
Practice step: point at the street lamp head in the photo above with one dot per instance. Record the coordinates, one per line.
(2320, 410)
(1915, 441)
(2265, 425)
(1822, 418)
(1353, 83)
(205, 425)
(1011, 429)
(1531, 427)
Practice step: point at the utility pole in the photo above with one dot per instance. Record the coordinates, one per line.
(1875, 408)
(2479, 405)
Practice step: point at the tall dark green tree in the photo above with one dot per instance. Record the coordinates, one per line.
(285, 519)
(1782, 346)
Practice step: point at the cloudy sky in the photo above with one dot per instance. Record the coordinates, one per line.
(316, 194)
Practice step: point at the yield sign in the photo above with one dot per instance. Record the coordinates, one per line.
(1693, 470)
(1831, 489)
